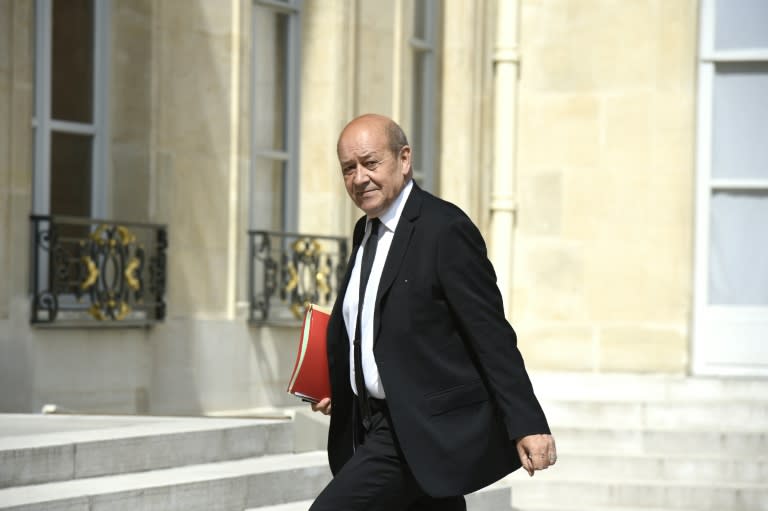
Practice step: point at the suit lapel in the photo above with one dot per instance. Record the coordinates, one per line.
(397, 250)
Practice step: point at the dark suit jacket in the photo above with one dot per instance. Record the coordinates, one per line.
(456, 386)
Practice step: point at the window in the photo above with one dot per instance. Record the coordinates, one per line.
(276, 30)
(731, 299)
(424, 84)
(72, 42)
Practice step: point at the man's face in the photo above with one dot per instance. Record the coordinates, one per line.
(373, 175)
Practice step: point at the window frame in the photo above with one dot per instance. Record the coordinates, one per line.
(706, 315)
(290, 156)
(44, 125)
(424, 100)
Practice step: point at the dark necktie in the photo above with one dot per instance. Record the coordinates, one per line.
(369, 252)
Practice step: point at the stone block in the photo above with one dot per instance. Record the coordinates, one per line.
(131, 68)
(199, 204)
(21, 141)
(641, 348)
(558, 131)
(621, 281)
(674, 441)
(628, 127)
(23, 42)
(109, 379)
(30, 466)
(197, 16)
(222, 390)
(194, 106)
(167, 449)
(6, 40)
(674, 132)
(552, 273)
(274, 354)
(565, 347)
(595, 46)
(197, 282)
(130, 182)
(541, 204)
(225, 493)
(676, 41)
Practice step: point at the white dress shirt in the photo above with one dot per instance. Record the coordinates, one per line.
(389, 221)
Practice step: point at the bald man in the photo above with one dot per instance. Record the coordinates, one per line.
(430, 399)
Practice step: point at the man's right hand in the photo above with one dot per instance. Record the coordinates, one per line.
(323, 406)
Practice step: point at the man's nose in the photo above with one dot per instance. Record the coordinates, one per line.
(361, 174)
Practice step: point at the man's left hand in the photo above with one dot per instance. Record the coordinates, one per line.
(537, 452)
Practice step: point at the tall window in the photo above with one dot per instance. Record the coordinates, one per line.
(424, 86)
(72, 45)
(275, 114)
(731, 309)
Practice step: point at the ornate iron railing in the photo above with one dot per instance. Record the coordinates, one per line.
(289, 270)
(88, 272)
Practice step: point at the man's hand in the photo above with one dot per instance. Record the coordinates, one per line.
(537, 452)
(323, 406)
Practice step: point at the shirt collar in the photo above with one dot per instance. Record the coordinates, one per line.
(391, 216)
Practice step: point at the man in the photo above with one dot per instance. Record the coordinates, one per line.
(444, 405)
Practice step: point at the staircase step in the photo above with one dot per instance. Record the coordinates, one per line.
(734, 443)
(636, 387)
(495, 497)
(662, 466)
(114, 445)
(593, 507)
(716, 415)
(225, 486)
(551, 490)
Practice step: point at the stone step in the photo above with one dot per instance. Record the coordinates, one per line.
(594, 507)
(223, 486)
(495, 497)
(665, 467)
(730, 444)
(636, 387)
(548, 489)
(41, 449)
(714, 415)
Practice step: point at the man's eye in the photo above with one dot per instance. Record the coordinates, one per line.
(370, 165)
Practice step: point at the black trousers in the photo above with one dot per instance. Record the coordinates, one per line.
(377, 477)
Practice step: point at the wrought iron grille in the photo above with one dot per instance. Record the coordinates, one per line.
(288, 271)
(88, 272)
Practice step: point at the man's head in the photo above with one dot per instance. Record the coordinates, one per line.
(375, 162)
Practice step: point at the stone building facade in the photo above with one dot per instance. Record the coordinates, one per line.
(591, 141)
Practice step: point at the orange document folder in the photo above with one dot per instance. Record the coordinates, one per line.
(310, 380)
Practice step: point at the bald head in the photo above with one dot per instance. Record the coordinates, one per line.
(392, 131)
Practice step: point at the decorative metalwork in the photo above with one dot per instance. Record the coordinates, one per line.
(288, 270)
(97, 272)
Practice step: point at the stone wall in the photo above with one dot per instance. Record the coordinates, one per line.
(601, 271)
(603, 266)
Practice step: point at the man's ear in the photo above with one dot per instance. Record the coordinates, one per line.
(405, 157)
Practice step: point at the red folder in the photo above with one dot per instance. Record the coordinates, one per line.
(310, 379)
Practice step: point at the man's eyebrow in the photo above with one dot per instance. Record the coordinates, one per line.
(363, 156)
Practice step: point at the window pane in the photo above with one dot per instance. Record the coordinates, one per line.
(740, 121)
(270, 49)
(70, 174)
(741, 24)
(420, 19)
(267, 192)
(72, 60)
(738, 248)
